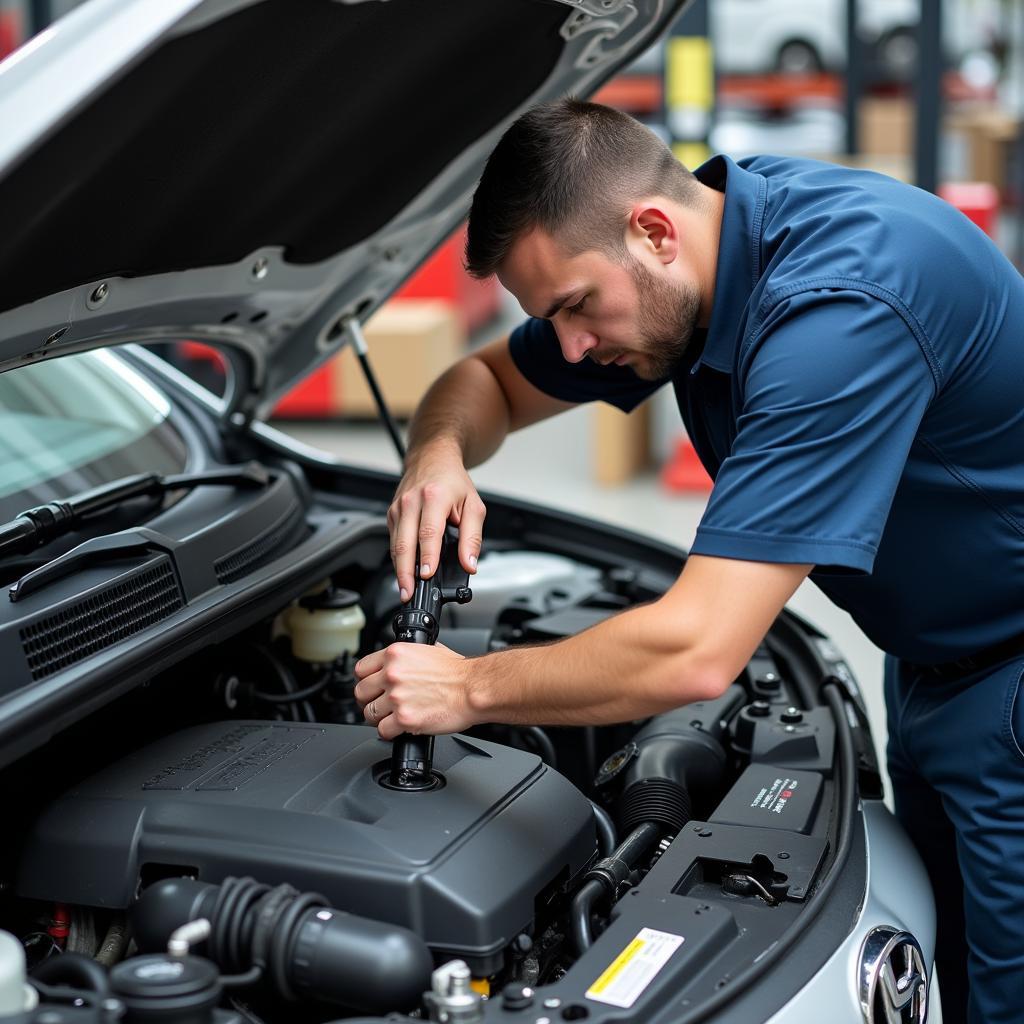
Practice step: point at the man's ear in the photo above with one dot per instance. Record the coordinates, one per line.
(653, 227)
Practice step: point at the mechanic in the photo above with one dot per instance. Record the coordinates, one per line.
(848, 360)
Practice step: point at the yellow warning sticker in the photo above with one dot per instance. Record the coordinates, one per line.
(624, 980)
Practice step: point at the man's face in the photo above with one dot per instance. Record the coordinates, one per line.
(604, 308)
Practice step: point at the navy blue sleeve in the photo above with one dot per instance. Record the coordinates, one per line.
(835, 385)
(535, 351)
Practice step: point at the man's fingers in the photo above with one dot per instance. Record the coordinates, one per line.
(403, 542)
(377, 710)
(369, 689)
(369, 664)
(471, 533)
(433, 516)
(388, 728)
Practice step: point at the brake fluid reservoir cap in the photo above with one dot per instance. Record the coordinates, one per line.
(325, 625)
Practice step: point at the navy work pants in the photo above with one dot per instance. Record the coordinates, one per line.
(956, 759)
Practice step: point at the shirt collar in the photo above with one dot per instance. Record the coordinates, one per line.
(739, 255)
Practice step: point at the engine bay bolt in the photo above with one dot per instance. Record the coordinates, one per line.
(523, 943)
(99, 295)
(552, 1003)
(760, 709)
(516, 997)
(704, 833)
(792, 715)
(452, 999)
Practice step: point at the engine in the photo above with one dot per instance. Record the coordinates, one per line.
(254, 826)
(304, 804)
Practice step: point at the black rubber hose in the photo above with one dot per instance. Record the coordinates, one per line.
(289, 684)
(115, 942)
(606, 878)
(75, 971)
(546, 748)
(286, 698)
(580, 913)
(637, 843)
(305, 948)
(606, 837)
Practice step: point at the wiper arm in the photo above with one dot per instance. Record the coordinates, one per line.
(39, 525)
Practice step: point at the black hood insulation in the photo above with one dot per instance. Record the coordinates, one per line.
(306, 124)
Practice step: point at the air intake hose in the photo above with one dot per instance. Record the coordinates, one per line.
(675, 755)
(304, 947)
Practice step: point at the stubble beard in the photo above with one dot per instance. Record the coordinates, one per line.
(665, 322)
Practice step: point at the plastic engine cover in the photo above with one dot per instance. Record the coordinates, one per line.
(461, 865)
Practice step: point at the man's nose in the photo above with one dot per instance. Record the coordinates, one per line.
(575, 343)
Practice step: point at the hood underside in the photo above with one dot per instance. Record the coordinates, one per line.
(261, 173)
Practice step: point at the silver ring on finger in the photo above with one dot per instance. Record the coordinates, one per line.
(373, 710)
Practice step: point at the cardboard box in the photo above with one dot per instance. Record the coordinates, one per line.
(990, 133)
(886, 126)
(411, 343)
(621, 443)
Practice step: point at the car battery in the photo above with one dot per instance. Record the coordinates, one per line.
(770, 797)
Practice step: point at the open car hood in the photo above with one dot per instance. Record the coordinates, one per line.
(258, 174)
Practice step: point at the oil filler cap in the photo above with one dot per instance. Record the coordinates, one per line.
(615, 763)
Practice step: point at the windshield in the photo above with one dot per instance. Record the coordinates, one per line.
(73, 423)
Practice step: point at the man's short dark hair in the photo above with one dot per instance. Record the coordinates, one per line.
(573, 169)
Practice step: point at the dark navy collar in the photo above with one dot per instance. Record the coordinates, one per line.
(739, 256)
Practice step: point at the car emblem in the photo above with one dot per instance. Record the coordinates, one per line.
(893, 978)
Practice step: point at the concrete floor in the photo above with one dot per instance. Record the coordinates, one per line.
(550, 463)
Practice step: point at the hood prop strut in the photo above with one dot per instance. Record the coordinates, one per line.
(357, 340)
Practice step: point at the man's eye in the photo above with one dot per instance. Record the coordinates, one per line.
(578, 307)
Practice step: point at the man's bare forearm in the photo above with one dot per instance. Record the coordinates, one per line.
(465, 410)
(628, 667)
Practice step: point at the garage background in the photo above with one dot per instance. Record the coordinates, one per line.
(928, 91)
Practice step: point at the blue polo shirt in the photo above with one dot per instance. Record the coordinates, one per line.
(858, 400)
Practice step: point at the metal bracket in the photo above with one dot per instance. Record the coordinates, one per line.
(354, 336)
(596, 8)
(602, 25)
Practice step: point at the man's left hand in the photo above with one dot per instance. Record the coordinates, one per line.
(416, 688)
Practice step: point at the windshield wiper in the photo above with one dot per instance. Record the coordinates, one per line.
(39, 525)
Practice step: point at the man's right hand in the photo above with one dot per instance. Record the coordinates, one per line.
(435, 490)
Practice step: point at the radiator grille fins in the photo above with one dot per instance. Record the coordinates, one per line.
(284, 532)
(91, 625)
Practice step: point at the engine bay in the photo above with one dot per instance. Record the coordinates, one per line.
(241, 789)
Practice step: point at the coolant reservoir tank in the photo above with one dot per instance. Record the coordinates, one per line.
(16, 997)
(324, 626)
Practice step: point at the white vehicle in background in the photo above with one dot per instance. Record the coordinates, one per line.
(754, 37)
